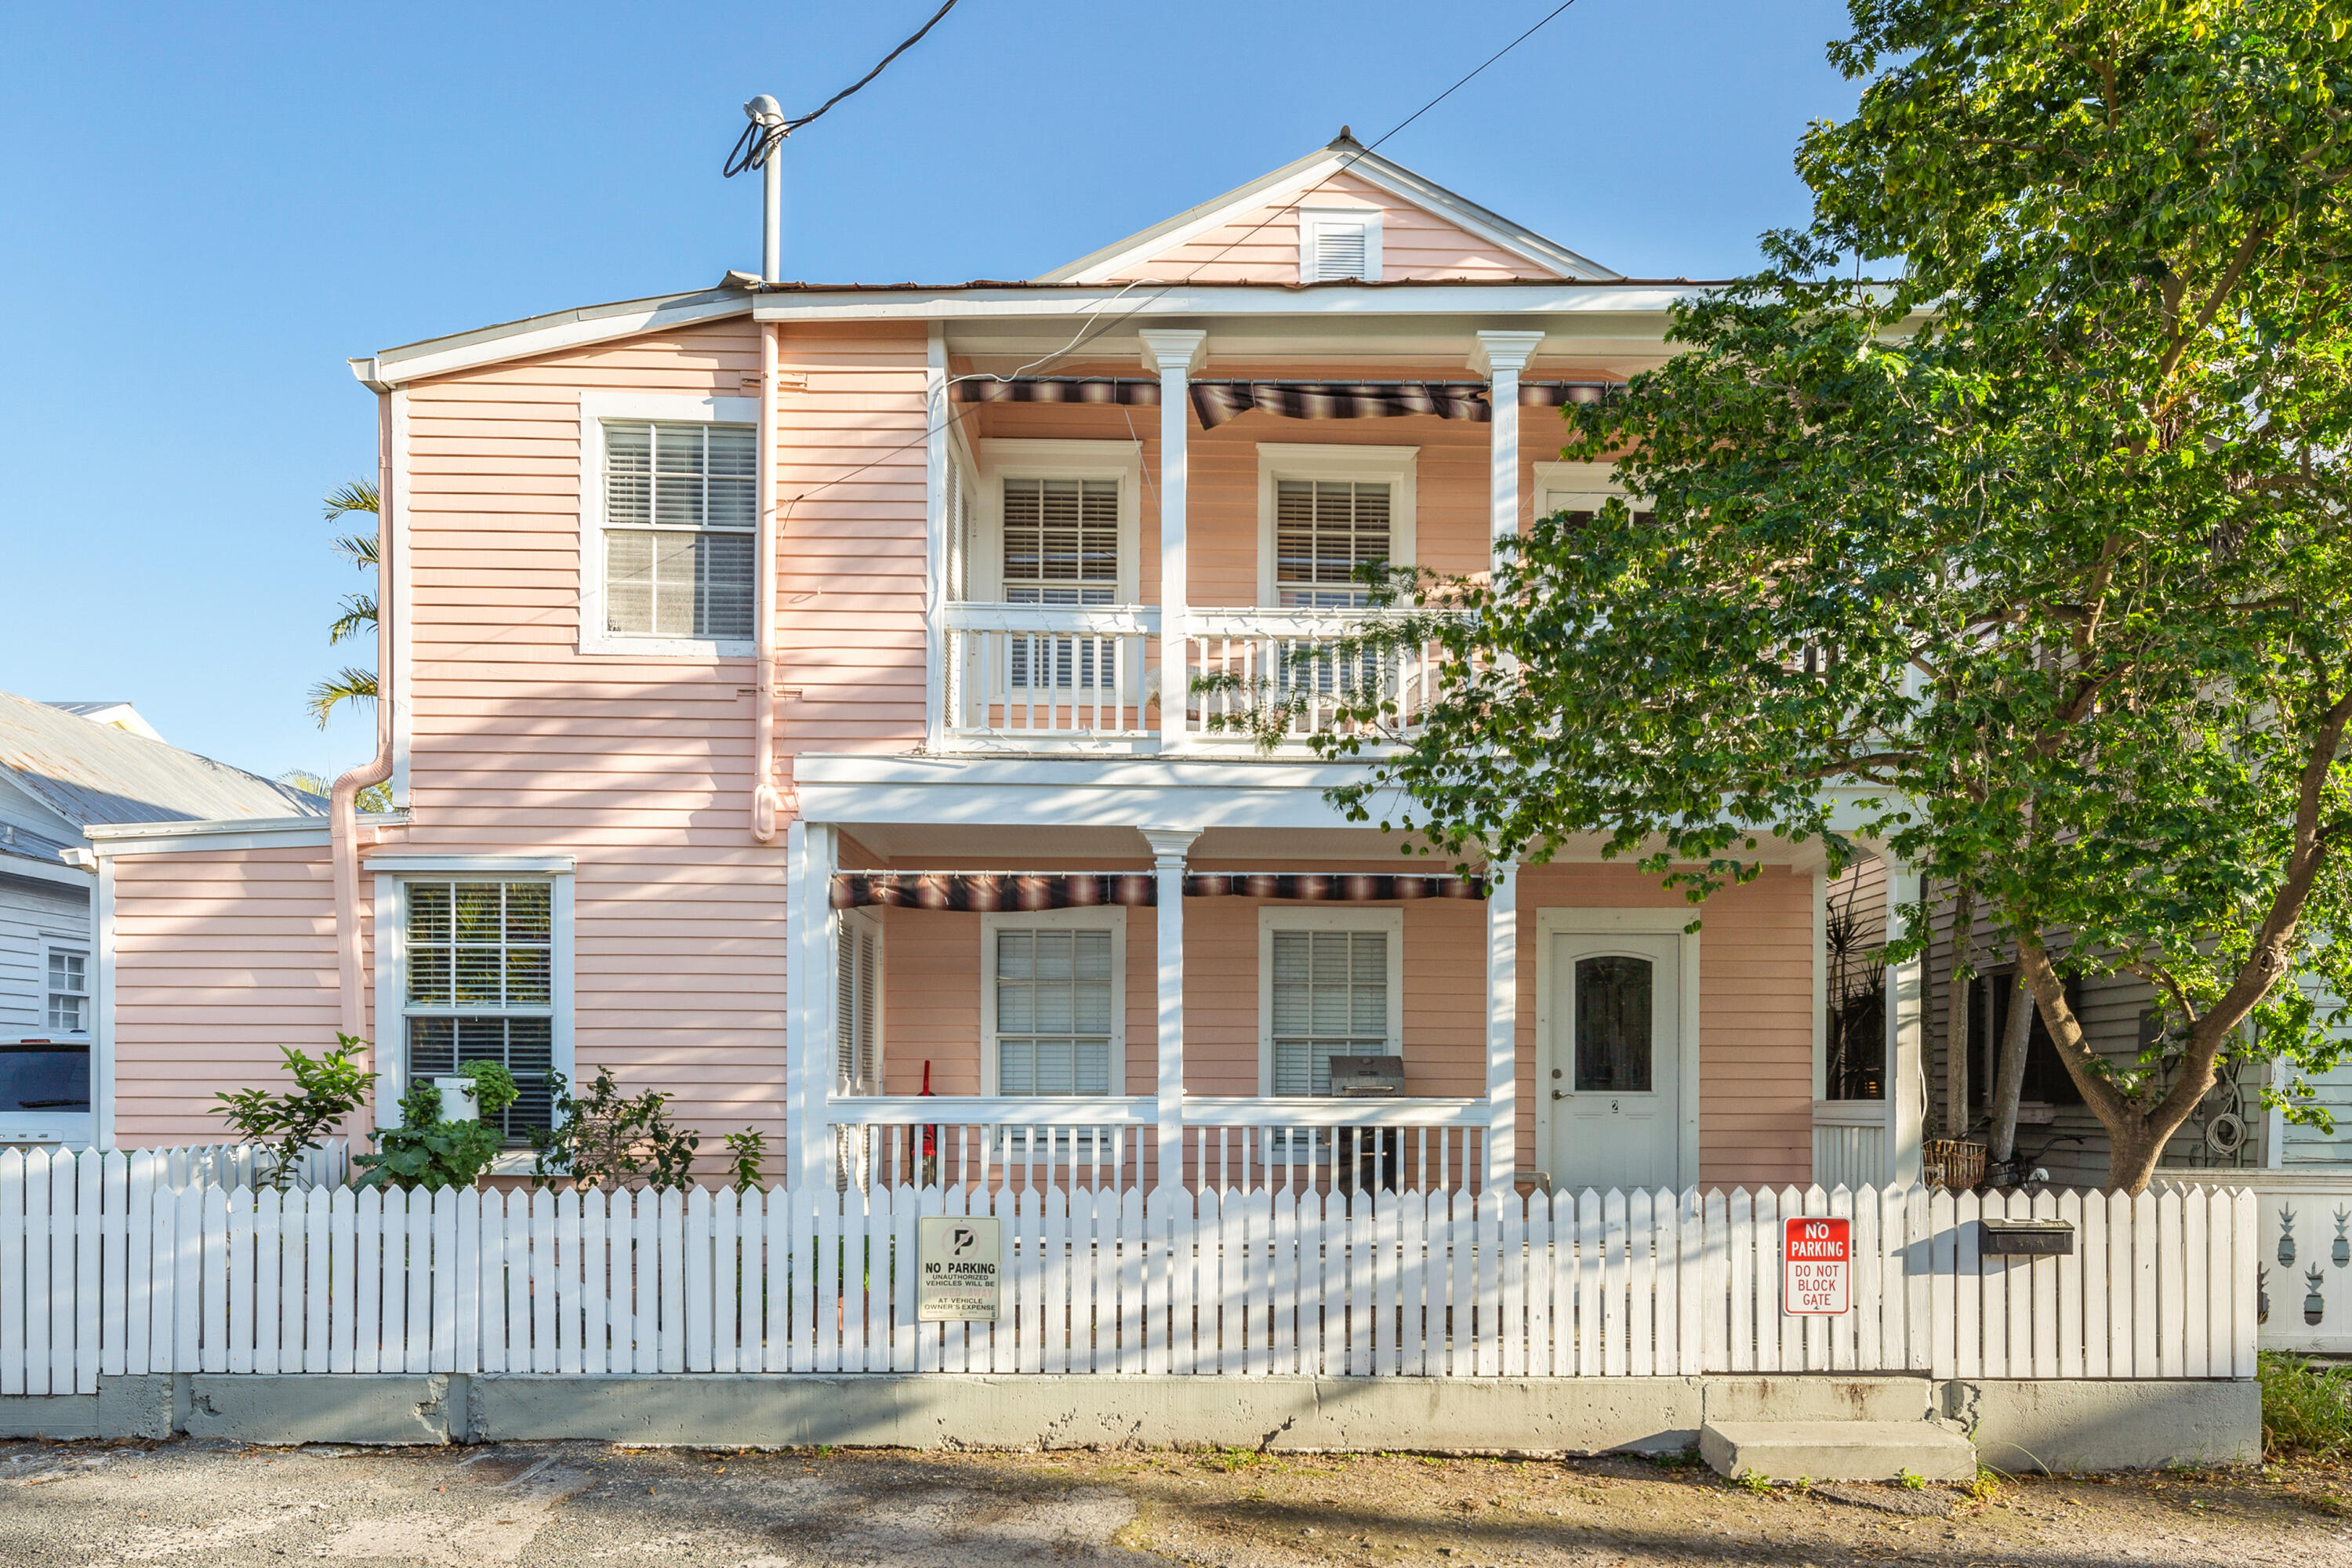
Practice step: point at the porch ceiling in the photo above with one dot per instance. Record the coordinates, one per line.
(937, 845)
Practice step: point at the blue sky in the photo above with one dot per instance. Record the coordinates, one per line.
(209, 208)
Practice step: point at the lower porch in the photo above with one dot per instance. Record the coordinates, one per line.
(1091, 1008)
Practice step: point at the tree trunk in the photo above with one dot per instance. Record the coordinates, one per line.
(2008, 1083)
(2132, 1154)
(2136, 1132)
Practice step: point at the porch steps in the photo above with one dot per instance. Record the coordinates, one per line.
(1837, 1450)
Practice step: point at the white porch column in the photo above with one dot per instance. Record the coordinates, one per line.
(1499, 357)
(810, 852)
(1502, 1025)
(1907, 1039)
(1168, 847)
(1174, 355)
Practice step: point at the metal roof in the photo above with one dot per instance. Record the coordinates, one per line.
(89, 773)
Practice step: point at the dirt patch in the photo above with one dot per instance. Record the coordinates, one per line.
(550, 1503)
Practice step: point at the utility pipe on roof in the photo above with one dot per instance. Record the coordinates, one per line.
(342, 802)
(767, 800)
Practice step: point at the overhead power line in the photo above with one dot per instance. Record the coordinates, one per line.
(753, 147)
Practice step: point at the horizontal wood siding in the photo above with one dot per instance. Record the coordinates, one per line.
(220, 959)
(1262, 246)
(32, 914)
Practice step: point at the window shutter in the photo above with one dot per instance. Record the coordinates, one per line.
(856, 1023)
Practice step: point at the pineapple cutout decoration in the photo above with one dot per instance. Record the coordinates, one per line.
(2342, 1254)
(2313, 1306)
(2286, 1238)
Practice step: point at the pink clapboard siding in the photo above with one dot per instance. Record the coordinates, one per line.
(1262, 246)
(220, 959)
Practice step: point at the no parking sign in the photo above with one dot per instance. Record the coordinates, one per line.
(1815, 1258)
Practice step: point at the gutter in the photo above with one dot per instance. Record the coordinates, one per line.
(767, 800)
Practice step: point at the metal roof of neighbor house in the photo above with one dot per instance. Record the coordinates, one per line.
(89, 772)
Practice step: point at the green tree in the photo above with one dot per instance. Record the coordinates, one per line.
(327, 1088)
(2033, 562)
(359, 612)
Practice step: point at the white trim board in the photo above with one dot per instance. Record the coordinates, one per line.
(1558, 920)
(681, 408)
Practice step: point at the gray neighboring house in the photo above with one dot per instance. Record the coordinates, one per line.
(63, 767)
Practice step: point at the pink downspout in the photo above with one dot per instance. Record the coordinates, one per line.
(767, 800)
(343, 808)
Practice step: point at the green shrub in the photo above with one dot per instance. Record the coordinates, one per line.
(2306, 1409)
(746, 1151)
(325, 1090)
(429, 1153)
(611, 1140)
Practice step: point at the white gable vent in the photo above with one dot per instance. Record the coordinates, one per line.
(1341, 242)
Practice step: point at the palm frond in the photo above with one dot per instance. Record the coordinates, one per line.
(347, 685)
(359, 547)
(360, 495)
(359, 615)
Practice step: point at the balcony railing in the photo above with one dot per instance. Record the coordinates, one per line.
(1020, 674)
(1028, 676)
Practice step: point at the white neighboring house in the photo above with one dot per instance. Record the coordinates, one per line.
(63, 767)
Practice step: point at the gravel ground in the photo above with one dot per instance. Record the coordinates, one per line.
(209, 1503)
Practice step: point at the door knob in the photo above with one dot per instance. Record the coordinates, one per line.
(1557, 1094)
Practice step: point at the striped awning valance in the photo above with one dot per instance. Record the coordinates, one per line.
(985, 891)
(1217, 402)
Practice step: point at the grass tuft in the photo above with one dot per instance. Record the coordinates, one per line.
(2306, 1409)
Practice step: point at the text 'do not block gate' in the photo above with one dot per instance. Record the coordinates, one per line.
(1816, 1266)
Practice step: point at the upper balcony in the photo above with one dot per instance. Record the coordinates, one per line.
(1158, 565)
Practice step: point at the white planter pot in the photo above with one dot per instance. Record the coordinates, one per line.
(457, 1102)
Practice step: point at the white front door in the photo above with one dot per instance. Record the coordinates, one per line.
(1612, 1065)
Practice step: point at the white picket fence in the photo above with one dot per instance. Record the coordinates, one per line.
(104, 1272)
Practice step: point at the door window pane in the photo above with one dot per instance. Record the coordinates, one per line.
(1613, 1012)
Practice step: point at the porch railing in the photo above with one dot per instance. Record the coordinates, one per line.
(1298, 662)
(1233, 1145)
(1023, 673)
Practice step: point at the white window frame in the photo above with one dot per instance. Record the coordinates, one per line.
(1277, 917)
(1002, 459)
(1312, 220)
(595, 408)
(391, 926)
(1277, 461)
(1111, 918)
(1572, 487)
(51, 945)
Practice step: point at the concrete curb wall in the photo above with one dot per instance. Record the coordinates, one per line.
(2061, 1425)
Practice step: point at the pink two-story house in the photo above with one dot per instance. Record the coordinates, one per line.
(780, 714)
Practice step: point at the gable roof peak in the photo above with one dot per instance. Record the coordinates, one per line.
(1343, 155)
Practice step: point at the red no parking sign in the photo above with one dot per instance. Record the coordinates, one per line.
(1816, 1255)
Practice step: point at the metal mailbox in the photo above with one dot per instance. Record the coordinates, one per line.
(2025, 1238)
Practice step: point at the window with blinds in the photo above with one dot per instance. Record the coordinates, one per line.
(1330, 996)
(1061, 541)
(1056, 999)
(1325, 532)
(1061, 547)
(480, 986)
(679, 510)
(857, 1012)
(68, 992)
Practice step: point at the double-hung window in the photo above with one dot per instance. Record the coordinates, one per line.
(480, 986)
(1326, 533)
(1061, 547)
(1053, 1001)
(1329, 986)
(68, 992)
(680, 506)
